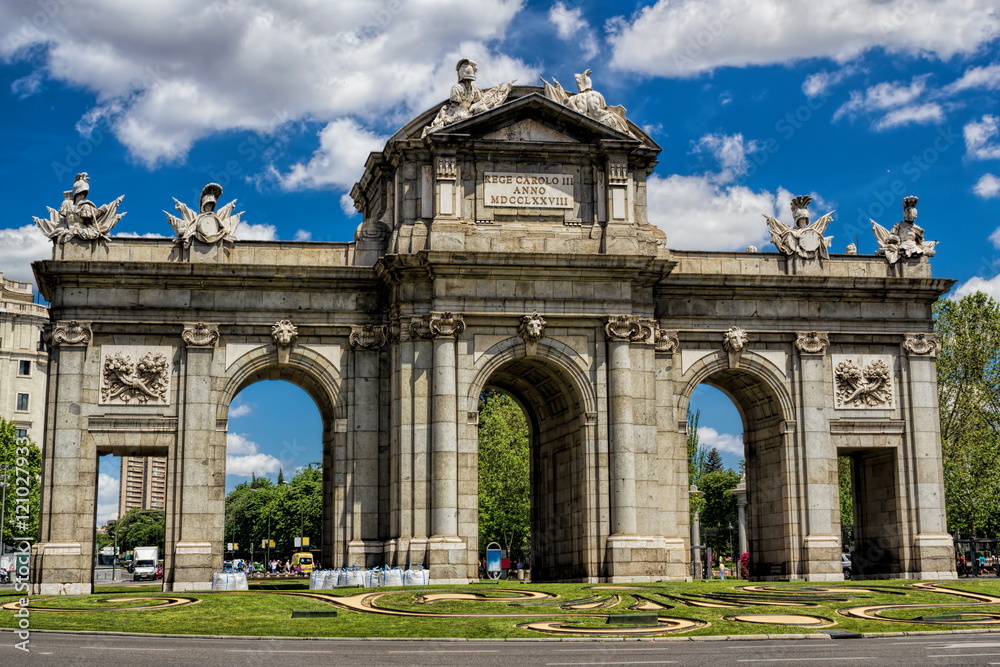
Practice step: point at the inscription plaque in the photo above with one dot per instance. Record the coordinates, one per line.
(528, 190)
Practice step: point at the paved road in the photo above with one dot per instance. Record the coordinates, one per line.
(106, 651)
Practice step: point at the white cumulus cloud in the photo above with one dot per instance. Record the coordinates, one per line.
(687, 37)
(261, 232)
(339, 161)
(570, 25)
(107, 499)
(987, 187)
(921, 114)
(244, 458)
(19, 247)
(730, 150)
(708, 437)
(238, 410)
(166, 74)
(699, 213)
(981, 138)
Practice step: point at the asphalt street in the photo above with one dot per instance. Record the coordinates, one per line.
(48, 648)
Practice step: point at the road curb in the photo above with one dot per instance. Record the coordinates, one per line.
(706, 638)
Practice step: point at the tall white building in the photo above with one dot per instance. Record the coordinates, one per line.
(23, 360)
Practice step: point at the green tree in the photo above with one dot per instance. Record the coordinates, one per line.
(720, 512)
(504, 469)
(713, 462)
(969, 396)
(846, 494)
(24, 459)
(260, 509)
(139, 528)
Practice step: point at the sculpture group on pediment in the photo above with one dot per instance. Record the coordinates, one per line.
(467, 99)
(208, 224)
(805, 239)
(78, 217)
(906, 239)
(589, 102)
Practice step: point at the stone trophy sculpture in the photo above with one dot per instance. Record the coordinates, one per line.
(589, 102)
(466, 99)
(906, 238)
(208, 225)
(78, 217)
(805, 239)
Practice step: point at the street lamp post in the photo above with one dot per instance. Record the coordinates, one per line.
(4, 483)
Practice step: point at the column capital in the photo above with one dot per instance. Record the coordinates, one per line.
(200, 334)
(369, 336)
(667, 341)
(437, 325)
(71, 333)
(628, 328)
(921, 345)
(812, 342)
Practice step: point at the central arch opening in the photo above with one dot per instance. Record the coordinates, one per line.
(558, 480)
(762, 415)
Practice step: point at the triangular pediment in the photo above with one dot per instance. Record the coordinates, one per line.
(527, 130)
(527, 116)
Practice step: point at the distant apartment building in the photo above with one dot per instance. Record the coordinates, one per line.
(143, 483)
(23, 360)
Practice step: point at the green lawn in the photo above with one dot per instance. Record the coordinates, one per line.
(266, 609)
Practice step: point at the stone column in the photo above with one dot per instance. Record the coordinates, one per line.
(447, 549)
(196, 472)
(932, 546)
(821, 543)
(631, 557)
(741, 509)
(62, 559)
(696, 570)
(365, 549)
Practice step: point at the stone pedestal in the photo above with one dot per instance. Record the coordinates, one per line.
(448, 560)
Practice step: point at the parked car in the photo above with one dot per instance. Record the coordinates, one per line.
(159, 571)
(845, 562)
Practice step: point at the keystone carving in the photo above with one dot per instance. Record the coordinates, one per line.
(72, 333)
(200, 335)
(921, 345)
(78, 217)
(531, 328)
(804, 240)
(369, 336)
(144, 381)
(627, 327)
(667, 341)
(284, 333)
(733, 341)
(812, 342)
(868, 387)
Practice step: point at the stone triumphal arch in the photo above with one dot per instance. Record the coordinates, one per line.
(505, 244)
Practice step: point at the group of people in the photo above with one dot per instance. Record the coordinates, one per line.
(275, 566)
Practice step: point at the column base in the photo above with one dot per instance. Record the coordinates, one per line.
(182, 586)
(822, 560)
(448, 560)
(61, 568)
(365, 553)
(934, 556)
(642, 558)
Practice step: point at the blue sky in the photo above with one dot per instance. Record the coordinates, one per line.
(855, 102)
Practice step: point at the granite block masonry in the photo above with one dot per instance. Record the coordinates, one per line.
(505, 244)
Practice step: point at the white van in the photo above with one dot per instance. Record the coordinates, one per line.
(145, 562)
